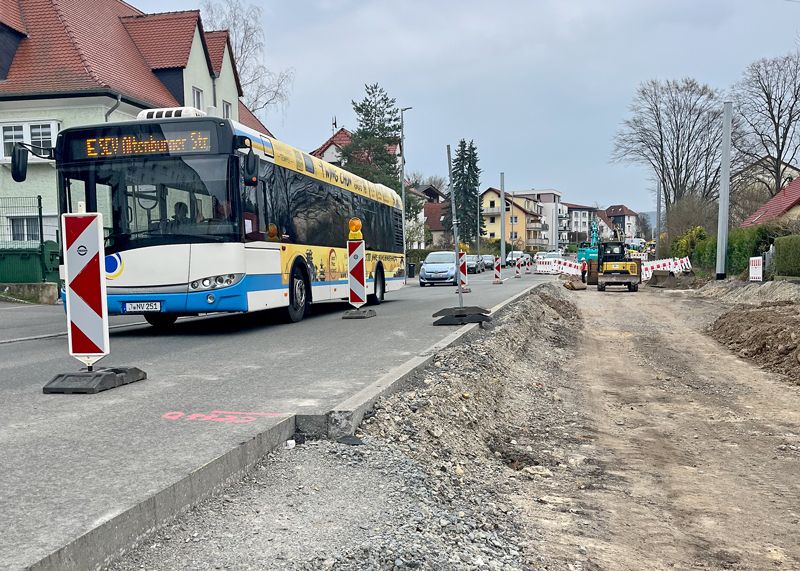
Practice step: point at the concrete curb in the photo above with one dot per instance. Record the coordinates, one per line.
(101, 545)
(345, 417)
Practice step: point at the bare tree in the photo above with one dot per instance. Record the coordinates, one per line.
(675, 128)
(768, 105)
(261, 86)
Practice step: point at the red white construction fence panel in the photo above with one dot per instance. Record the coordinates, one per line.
(497, 275)
(356, 275)
(462, 269)
(757, 269)
(85, 284)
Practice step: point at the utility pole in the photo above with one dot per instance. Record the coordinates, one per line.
(403, 188)
(658, 217)
(455, 226)
(503, 218)
(478, 234)
(724, 190)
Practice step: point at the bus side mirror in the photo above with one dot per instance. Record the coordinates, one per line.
(250, 169)
(19, 163)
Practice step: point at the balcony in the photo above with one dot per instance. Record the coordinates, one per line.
(537, 242)
(491, 211)
(539, 226)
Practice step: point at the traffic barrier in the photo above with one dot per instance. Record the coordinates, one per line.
(356, 273)
(87, 309)
(518, 268)
(497, 275)
(462, 273)
(527, 265)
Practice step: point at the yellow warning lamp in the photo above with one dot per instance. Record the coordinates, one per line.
(355, 229)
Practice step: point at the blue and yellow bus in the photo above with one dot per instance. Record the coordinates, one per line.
(205, 215)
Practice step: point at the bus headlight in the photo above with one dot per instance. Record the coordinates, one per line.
(213, 282)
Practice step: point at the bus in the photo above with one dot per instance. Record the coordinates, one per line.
(205, 215)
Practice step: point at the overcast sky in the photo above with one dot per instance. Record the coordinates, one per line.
(540, 85)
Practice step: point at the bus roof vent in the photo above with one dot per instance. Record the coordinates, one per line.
(169, 112)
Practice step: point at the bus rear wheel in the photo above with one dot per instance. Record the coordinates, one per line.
(161, 320)
(380, 289)
(298, 295)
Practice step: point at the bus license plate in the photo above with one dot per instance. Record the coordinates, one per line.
(141, 307)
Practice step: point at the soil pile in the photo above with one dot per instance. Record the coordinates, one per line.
(735, 291)
(768, 334)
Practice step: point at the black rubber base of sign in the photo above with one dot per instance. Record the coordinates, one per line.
(462, 315)
(359, 314)
(91, 382)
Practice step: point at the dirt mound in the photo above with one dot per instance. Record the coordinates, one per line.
(735, 291)
(768, 335)
(480, 417)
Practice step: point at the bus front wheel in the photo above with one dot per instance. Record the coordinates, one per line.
(161, 320)
(298, 295)
(380, 288)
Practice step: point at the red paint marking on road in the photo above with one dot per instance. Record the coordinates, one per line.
(225, 417)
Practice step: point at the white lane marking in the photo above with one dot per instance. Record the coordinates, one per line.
(63, 333)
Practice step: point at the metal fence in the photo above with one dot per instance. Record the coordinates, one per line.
(28, 241)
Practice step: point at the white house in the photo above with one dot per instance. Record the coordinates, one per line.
(65, 64)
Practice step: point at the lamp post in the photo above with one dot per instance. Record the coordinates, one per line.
(403, 188)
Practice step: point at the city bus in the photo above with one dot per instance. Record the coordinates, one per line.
(205, 215)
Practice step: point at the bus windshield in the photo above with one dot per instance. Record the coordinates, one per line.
(153, 201)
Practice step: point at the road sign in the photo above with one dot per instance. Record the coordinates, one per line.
(355, 273)
(756, 269)
(85, 284)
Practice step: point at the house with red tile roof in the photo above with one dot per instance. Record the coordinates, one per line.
(331, 150)
(605, 225)
(783, 206)
(622, 216)
(65, 63)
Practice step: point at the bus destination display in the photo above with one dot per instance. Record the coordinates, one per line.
(142, 144)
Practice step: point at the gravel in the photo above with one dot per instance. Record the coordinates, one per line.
(456, 472)
(736, 291)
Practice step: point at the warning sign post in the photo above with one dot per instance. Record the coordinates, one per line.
(87, 309)
(357, 273)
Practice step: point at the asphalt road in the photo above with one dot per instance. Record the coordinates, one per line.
(71, 462)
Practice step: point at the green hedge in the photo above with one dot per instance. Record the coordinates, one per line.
(743, 243)
(787, 256)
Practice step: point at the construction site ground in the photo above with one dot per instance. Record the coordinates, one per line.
(584, 431)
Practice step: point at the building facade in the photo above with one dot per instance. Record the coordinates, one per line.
(579, 222)
(524, 223)
(78, 63)
(624, 218)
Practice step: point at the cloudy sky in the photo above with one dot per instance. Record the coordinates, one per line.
(540, 85)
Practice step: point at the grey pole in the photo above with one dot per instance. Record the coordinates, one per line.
(403, 190)
(455, 226)
(724, 190)
(478, 233)
(658, 217)
(502, 218)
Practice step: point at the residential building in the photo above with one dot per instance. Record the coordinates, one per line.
(432, 212)
(553, 215)
(524, 225)
(622, 216)
(751, 186)
(784, 206)
(605, 227)
(331, 150)
(579, 221)
(65, 64)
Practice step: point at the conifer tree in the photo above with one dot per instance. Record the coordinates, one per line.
(465, 185)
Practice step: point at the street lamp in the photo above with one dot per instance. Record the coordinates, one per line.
(403, 188)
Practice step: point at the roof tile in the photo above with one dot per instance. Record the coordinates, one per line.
(150, 31)
(777, 206)
(11, 16)
(248, 119)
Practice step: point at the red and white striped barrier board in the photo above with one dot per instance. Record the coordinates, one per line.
(756, 269)
(356, 275)
(527, 265)
(462, 270)
(85, 283)
(497, 276)
(518, 268)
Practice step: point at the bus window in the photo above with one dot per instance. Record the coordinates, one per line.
(253, 213)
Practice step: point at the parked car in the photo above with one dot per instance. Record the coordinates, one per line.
(511, 258)
(438, 268)
(473, 264)
(488, 261)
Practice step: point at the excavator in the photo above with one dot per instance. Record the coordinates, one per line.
(614, 267)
